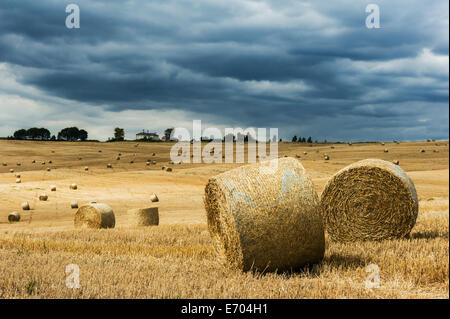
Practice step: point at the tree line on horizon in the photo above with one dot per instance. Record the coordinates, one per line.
(43, 134)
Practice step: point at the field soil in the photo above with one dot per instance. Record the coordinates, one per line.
(176, 259)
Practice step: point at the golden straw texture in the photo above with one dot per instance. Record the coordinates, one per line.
(144, 216)
(265, 216)
(95, 215)
(369, 200)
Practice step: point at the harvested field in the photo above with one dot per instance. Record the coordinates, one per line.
(177, 259)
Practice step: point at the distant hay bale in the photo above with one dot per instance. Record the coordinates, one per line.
(25, 206)
(265, 217)
(33, 161)
(14, 217)
(18, 181)
(80, 158)
(154, 162)
(350, 144)
(5, 164)
(131, 162)
(99, 151)
(332, 147)
(148, 163)
(428, 140)
(297, 156)
(43, 197)
(396, 162)
(369, 200)
(73, 186)
(95, 215)
(153, 154)
(163, 168)
(154, 198)
(48, 169)
(171, 162)
(11, 170)
(18, 175)
(326, 157)
(73, 205)
(53, 188)
(144, 216)
(382, 143)
(422, 151)
(109, 166)
(117, 158)
(386, 150)
(50, 162)
(169, 169)
(86, 168)
(305, 153)
(42, 163)
(19, 164)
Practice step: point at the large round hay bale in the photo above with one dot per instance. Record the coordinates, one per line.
(14, 217)
(53, 188)
(95, 215)
(11, 170)
(73, 186)
(18, 181)
(86, 168)
(144, 216)
(369, 200)
(5, 164)
(169, 169)
(25, 206)
(265, 216)
(43, 197)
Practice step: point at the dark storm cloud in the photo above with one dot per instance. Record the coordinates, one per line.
(305, 67)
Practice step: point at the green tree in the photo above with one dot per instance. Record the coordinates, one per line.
(309, 140)
(168, 133)
(119, 134)
(83, 135)
(20, 134)
(294, 139)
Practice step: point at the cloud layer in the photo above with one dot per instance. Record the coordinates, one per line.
(307, 68)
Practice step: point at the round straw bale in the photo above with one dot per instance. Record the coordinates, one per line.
(163, 168)
(298, 156)
(305, 153)
(326, 157)
(50, 162)
(332, 147)
(99, 151)
(18, 164)
(18, 175)
(13, 217)
(131, 162)
(48, 169)
(154, 198)
(422, 151)
(118, 158)
(53, 188)
(153, 154)
(80, 158)
(33, 161)
(169, 169)
(154, 162)
(43, 163)
(396, 162)
(86, 168)
(386, 150)
(109, 166)
(265, 216)
(382, 143)
(350, 144)
(43, 197)
(25, 206)
(73, 186)
(369, 200)
(11, 170)
(148, 163)
(5, 164)
(18, 181)
(95, 215)
(73, 205)
(144, 216)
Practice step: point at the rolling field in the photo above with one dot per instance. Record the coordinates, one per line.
(176, 259)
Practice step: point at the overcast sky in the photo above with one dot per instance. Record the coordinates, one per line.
(305, 67)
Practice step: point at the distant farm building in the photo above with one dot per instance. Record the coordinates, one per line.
(147, 136)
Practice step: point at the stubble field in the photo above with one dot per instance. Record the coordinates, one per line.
(176, 259)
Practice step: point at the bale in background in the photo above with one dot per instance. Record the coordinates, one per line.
(14, 217)
(53, 188)
(43, 197)
(144, 216)
(73, 205)
(95, 215)
(73, 186)
(369, 200)
(18, 181)
(265, 216)
(154, 198)
(25, 206)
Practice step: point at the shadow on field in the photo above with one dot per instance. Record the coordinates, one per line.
(429, 235)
